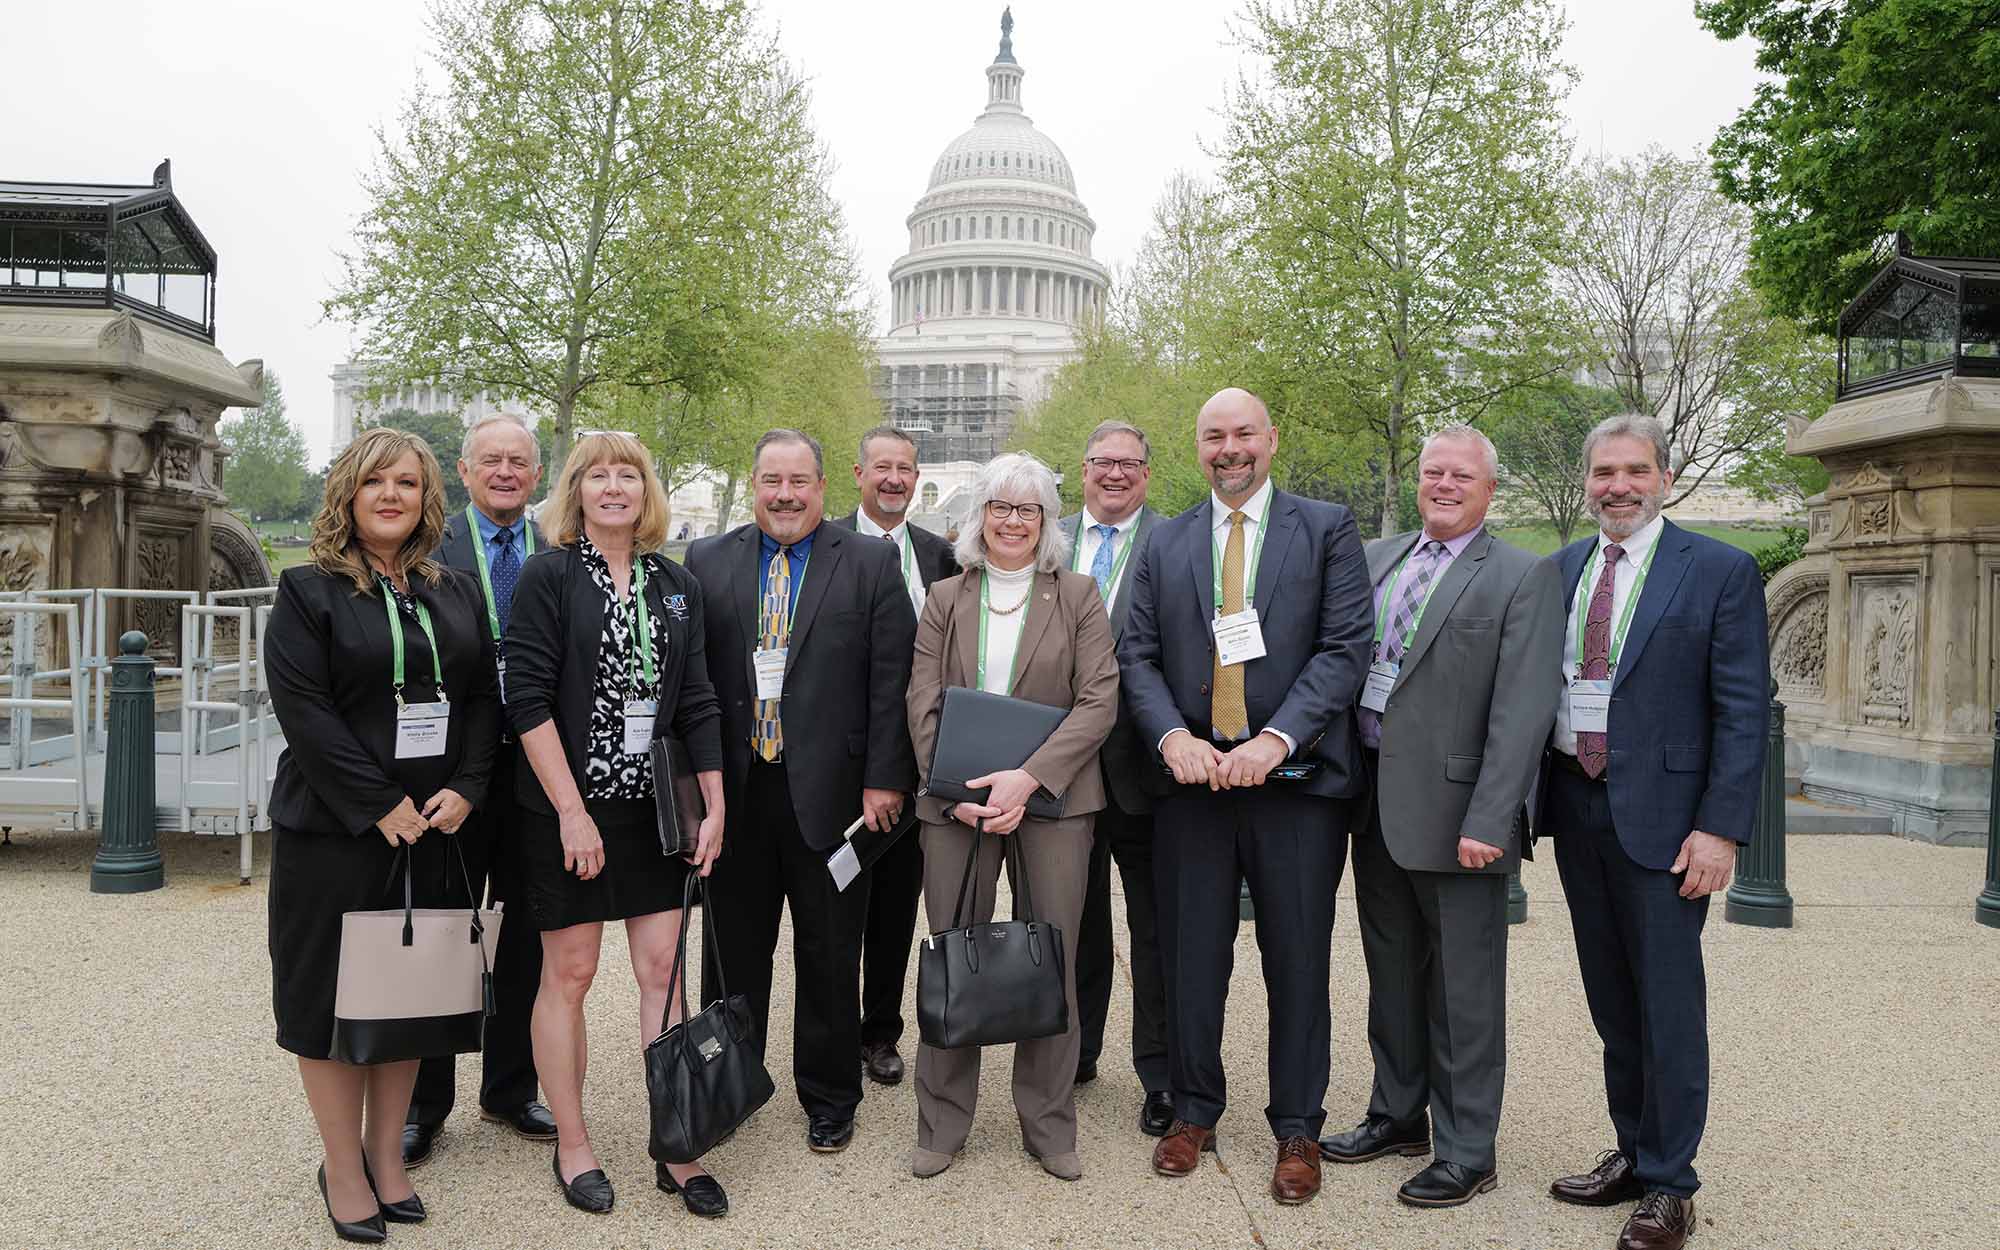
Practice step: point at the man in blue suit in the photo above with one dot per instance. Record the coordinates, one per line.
(1649, 786)
(1247, 641)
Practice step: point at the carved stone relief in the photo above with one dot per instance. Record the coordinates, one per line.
(1885, 639)
(1798, 646)
(24, 565)
(156, 564)
(1871, 516)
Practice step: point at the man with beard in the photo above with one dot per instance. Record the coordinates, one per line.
(1648, 788)
(886, 471)
(810, 637)
(1245, 649)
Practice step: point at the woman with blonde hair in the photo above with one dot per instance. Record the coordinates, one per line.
(604, 654)
(382, 678)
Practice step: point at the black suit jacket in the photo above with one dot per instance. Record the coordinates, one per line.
(1317, 611)
(1130, 769)
(935, 560)
(553, 634)
(848, 672)
(328, 659)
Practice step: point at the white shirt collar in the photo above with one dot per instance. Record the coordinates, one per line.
(1638, 548)
(1090, 521)
(866, 525)
(1254, 507)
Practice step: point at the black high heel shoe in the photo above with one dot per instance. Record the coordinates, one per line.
(368, 1230)
(702, 1195)
(409, 1211)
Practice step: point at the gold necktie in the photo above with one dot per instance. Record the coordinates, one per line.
(1229, 719)
(767, 731)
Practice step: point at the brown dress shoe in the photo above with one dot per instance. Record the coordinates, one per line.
(1606, 1185)
(1296, 1178)
(1180, 1151)
(1662, 1222)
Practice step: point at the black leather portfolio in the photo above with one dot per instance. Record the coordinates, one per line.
(980, 733)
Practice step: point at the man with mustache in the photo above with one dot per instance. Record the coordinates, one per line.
(1649, 786)
(1245, 649)
(886, 471)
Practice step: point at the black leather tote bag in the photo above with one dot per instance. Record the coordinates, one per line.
(994, 983)
(703, 1075)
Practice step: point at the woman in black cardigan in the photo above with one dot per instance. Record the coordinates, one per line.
(345, 800)
(605, 653)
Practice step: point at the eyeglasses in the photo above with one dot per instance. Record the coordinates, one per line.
(1000, 510)
(1104, 464)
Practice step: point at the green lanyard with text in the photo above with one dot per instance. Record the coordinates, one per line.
(1390, 598)
(1117, 567)
(1256, 553)
(1585, 587)
(485, 575)
(645, 619)
(986, 610)
(396, 638)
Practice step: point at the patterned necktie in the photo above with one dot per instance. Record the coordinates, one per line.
(1100, 564)
(506, 575)
(1591, 749)
(767, 735)
(1228, 718)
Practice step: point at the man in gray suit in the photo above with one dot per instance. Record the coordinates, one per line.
(1102, 540)
(1460, 696)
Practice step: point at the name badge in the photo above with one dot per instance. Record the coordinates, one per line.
(1590, 706)
(1238, 637)
(1375, 691)
(639, 715)
(421, 730)
(770, 669)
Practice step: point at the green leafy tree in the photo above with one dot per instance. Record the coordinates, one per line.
(1879, 117)
(1539, 431)
(444, 432)
(267, 456)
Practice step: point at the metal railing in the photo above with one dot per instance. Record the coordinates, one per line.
(24, 706)
(245, 668)
(191, 706)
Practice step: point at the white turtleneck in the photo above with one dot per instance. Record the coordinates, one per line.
(1003, 633)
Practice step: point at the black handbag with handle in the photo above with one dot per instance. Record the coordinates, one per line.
(704, 1077)
(994, 983)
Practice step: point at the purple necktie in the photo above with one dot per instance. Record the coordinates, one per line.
(1591, 749)
(1406, 600)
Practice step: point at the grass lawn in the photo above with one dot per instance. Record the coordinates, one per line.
(1541, 539)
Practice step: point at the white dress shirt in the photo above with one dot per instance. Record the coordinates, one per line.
(1005, 590)
(1624, 579)
(913, 576)
(1084, 554)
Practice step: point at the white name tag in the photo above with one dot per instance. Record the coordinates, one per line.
(845, 866)
(1589, 706)
(639, 714)
(1375, 691)
(770, 669)
(421, 730)
(1238, 637)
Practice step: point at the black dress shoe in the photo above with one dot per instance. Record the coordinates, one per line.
(589, 1191)
(1376, 1136)
(408, 1211)
(1086, 1072)
(1156, 1114)
(530, 1120)
(418, 1142)
(828, 1136)
(882, 1064)
(1446, 1184)
(1608, 1184)
(702, 1195)
(369, 1230)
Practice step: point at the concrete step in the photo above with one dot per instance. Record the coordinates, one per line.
(1804, 815)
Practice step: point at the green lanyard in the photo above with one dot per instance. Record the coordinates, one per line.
(1118, 567)
(1588, 586)
(645, 619)
(986, 610)
(909, 553)
(485, 575)
(1390, 598)
(396, 638)
(1250, 566)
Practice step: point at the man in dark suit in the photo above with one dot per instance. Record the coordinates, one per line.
(1114, 523)
(500, 464)
(1468, 631)
(1245, 648)
(809, 646)
(1649, 787)
(886, 471)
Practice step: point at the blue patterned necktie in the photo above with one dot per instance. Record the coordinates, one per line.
(506, 574)
(767, 732)
(1100, 564)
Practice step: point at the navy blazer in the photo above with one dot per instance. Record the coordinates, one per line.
(1317, 611)
(1690, 702)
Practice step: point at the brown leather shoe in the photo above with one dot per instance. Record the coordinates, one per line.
(1296, 1178)
(1180, 1151)
(1662, 1222)
(1606, 1185)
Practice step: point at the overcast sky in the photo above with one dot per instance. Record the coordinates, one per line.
(268, 110)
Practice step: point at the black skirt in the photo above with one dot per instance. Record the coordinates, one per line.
(637, 879)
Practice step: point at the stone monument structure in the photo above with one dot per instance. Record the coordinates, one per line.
(110, 390)
(1885, 636)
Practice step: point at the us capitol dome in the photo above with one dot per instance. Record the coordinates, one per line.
(987, 303)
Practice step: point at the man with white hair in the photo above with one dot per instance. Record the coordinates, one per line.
(1457, 705)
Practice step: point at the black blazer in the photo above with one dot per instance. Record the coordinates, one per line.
(552, 642)
(852, 641)
(935, 560)
(327, 656)
(1131, 770)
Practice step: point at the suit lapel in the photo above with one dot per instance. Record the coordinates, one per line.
(1121, 606)
(1041, 607)
(819, 572)
(1383, 557)
(1663, 578)
(964, 618)
(1273, 551)
(1457, 575)
(748, 589)
(1201, 562)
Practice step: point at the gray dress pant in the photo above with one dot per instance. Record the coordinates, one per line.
(1056, 856)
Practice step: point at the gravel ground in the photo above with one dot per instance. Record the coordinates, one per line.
(1856, 1097)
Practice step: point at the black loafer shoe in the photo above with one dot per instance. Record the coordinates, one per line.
(408, 1211)
(882, 1064)
(1374, 1137)
(1086, 1072)
(418, 1142)
(1446, 1184)
(530, 1120)
(368, 1230)
(1608, 1184)
(589, 1191)
(1156, 1114)
(828, 1136)
(702, 1195)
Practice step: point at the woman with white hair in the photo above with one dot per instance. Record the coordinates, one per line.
(1015, 622)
